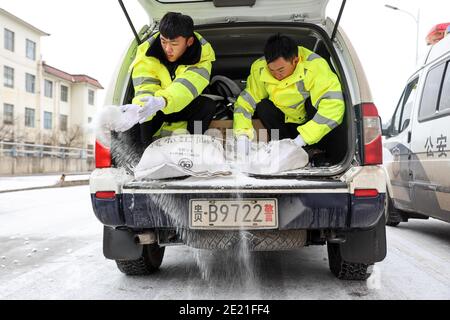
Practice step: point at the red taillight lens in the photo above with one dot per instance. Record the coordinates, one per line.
(366, 193)
(105, 195)
(373, 149)
(102, 156)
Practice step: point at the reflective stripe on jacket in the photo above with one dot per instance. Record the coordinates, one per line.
(151, 77)
(312, 78)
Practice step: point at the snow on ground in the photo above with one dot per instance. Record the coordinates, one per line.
(23, 182)
(51, 248)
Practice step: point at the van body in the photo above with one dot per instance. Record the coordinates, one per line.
(416, 143)
(338, 202)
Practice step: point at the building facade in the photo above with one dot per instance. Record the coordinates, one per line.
(40, 104)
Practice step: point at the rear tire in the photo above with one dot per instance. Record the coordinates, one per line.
(345, 270)
(150, 261)
(393, 217)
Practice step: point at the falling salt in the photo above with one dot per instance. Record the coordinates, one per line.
(69, 251)
(3, 258)
(46, 249)
(29, 255)
(34, 250)
(26, 242)
(16, 261)
(2, 266)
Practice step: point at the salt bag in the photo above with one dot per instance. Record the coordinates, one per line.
(183, 155)
(276, 157)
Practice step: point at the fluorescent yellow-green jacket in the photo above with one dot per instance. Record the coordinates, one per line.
(311, 78)
(152, 78)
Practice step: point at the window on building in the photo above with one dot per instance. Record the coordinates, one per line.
(444, 103)
(30, 83)
(48, 89)
(9, 40)
(64, 94)
(48, 117)
(29, 117)
(91, 97)
(31, 49)
(430, 94)
(8, 76)
(63, 122)
(8, 113)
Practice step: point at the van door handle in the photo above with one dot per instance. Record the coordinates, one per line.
(409, 136)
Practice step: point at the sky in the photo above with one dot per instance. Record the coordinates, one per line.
(89, 37)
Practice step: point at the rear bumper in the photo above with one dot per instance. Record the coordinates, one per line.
(310, 211)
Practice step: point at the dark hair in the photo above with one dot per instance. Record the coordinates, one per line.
(280, 46)
(174, 25)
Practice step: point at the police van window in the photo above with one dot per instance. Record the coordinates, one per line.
(395, 121)
(410, 97)
(430, 97)
(444, 103)
(402, 115)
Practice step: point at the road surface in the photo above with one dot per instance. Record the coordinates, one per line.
(51, 248)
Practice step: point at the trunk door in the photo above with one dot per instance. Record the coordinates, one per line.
(209, 11)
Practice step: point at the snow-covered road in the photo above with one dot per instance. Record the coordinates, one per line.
(51, 248)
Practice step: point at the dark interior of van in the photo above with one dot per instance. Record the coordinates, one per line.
(237, 46)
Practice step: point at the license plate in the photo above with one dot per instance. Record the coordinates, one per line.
(233, 214)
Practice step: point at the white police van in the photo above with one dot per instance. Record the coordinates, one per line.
(417, 140)
(338, 201)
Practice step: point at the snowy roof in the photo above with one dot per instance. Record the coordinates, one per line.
(73, 78)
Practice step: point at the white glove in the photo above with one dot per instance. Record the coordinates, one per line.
(128, 118)
(151, 107)
(243, 146)
(299, 141)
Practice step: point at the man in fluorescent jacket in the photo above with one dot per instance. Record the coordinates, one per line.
(277, 88)
(170, 72)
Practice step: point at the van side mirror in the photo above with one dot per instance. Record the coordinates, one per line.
(405, 124)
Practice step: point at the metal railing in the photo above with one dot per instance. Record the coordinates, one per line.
(14, 149)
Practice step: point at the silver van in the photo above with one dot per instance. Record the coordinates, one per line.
(417, 142)
(338, 200)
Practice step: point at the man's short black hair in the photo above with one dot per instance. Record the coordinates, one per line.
(280, 46)
(174, 25)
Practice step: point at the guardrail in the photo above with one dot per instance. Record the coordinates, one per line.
(14, 149)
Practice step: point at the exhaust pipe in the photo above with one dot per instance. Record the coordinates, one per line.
(146, 238)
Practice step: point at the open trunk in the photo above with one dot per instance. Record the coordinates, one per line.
(237, 46)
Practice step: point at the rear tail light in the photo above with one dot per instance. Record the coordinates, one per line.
(373, 150)
(366, 193)
(105, 195)
(102, 156)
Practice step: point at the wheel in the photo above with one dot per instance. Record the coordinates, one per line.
(393, 217)
(149, 263)
(345, 270)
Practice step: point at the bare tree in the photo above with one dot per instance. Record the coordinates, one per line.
(10, 132)
(6, 132)
(73, 137)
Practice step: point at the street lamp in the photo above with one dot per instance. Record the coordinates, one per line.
(417, 21)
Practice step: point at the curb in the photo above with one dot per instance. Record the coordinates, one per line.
(64, 184)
